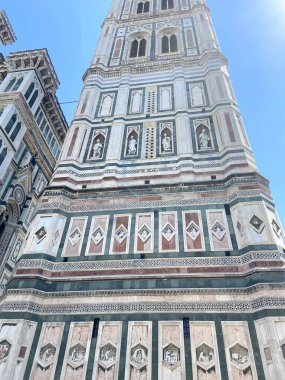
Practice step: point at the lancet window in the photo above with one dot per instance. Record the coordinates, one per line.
(143, 7)
(169, 44)
(138, 48)
(167, 4)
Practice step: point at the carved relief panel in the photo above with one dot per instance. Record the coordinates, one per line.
(193, 231)
(219, 234)
(240, 359)
(121, 234)
(171, 356)
(77, 351)
(107, 356)
(47, 351)
(138, 360)
(205, 351)
(271, 338)
(98, 235)
(46, 233)
(16, 338)
(168, 231)
(74, 237)
(144, 233)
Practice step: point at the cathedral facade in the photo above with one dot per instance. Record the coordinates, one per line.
(156, 251)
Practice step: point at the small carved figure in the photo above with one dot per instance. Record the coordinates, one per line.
(166, 143)
(75, 237)
(4, 348)
(204, 140)
(168, 233)
(98, 149)
(48, 355)
(132, 146)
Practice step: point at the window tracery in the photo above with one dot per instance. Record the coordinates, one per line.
(143, 7)
(138, 48)
(167, 4)
(169, 44)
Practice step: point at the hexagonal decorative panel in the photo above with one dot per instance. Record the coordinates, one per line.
(76, 355)
(205, 356)
(47, 355)
(5, 348)
(139, 356)
(107, 356)
(239, 356)
(171, 356)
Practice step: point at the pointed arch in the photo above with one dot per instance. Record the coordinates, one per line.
(140, 7)
(165, 45)
(142, 48)
(134, 49)
(173, 44)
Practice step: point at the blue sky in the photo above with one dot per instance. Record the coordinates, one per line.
(252, 37)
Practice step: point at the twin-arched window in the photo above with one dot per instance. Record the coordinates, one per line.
(167, 4)
(138, 48)
(169, 44)
(143, 7)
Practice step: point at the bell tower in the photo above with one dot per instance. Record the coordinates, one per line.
(156, 251)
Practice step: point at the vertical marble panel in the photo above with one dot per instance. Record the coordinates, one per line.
(75, 236)
(168, 227)
(98, 235)
(193, 231)
(276, 227)
(107, 355)
(256, 223)
(47, 351)
(271, 339)
(144, 233)
(77, 351)
(139, 351)
(218, 231)
(171, 356)
(205, 358)
(239, 355)
(121, 234)
(8, 335)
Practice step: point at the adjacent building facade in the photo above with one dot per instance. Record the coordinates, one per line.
(32, 131)
(156, 251)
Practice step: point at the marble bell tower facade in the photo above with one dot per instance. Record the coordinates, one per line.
(156, 251)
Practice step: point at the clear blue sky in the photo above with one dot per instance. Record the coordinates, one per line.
(252, 37)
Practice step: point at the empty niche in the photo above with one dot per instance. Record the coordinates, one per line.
(132, 141)
(203, 137)
(97, 145)
(197, 95)
(166, 138)
(165, 98)
(136, 101)
(106, 105)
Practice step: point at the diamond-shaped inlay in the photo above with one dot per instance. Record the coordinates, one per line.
(98, 235)
(205, 356)
(257, 224)
(193, 231)
(171, 356)
(76, 355)
(40, 234)
(75, 237)
(144, 233)
(139, 356)
(276, 228)
(121, 234)
(5, 348)
(239, 356)
(218, 230)
(47, 355)
(168, 232)
(107, 355)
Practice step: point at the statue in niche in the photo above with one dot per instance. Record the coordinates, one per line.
(204, 140)
(166, 143)
(97, 149)
(132, 146)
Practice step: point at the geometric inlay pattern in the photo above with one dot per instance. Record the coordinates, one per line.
(121, 233)
(98, 235)
(218, 230)
(144, 233)
(257, 224)
(193, 231)
(74, 237)
(168, 231)
(40, 234)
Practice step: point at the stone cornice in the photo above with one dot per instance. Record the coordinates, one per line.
(33, 137)
(7, 35)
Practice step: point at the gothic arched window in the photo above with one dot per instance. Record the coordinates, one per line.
(167, 4)
(10, 85)
(3, 152)
(16, 131)
(143, 7)
(138, 48)
(169, 44)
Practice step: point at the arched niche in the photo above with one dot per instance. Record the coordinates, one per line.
(132, 142)
(166, 138)
(97, 146)
(203, 136)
